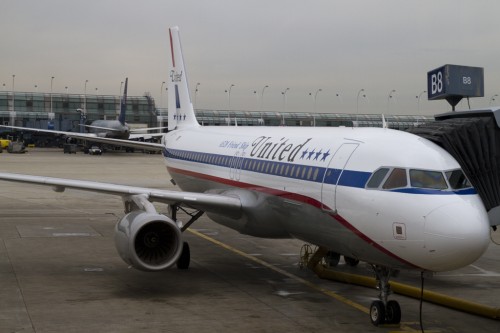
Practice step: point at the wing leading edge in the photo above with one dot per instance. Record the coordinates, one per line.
(215, 203)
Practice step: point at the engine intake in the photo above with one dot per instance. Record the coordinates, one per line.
(147, 241)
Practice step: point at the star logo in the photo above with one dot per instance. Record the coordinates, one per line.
(311, 153)
(317, 155)
(303, 154)
(325, 155)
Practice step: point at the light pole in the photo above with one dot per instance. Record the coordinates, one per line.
(262, 98)
(314, 97)
(36, 87)
(493, 98)
(418, 100)
(51, 83)
(357, 101)
(66, 88)
(161, 94)
(284, 98)
(13, 84)
(389, 98)
(284, 106)
(85, 97)
(339, 96)
(228, 91)
(196, 93)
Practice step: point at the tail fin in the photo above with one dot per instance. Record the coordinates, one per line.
(180, 109)
(123, 104)
(384, 122)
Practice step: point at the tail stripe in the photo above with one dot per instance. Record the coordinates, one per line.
(172, 49)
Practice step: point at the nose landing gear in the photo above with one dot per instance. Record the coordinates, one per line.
(383, 311)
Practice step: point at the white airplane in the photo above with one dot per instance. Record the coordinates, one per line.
(386, 197)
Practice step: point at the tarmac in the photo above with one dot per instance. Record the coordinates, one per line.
(60, 272)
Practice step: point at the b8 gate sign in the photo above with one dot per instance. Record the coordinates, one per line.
(454, 80)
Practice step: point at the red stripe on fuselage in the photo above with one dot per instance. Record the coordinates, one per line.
(292, 196)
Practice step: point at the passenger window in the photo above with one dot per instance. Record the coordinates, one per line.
(377, 177)
(396, 179)
(457, 179)
(428, 179)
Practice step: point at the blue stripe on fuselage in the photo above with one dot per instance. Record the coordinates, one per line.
(349, 178)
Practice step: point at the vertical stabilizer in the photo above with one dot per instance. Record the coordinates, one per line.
(180, 109)
(123, 104)
(384, 122)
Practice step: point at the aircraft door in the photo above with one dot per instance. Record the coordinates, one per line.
(333, 173)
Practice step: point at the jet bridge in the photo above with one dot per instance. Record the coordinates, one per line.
(473, 139)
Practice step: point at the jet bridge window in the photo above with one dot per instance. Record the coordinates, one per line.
(457, 179)
(428, 179)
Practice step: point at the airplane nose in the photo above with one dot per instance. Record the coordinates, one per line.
(456, 235)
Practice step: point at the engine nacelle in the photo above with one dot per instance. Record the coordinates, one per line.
(149, 242)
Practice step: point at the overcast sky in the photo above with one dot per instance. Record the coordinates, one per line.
(337, 46)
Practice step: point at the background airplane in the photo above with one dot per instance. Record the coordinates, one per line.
(119, 129)
(116, 129)
(389, 198)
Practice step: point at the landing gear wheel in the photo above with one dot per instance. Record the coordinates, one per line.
(393, 312)
(332, 258)
(185, 258)
(377, 313)
(353, 262)
(306, 252)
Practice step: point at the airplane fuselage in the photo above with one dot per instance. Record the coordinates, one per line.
(110, 129)
(312, 185)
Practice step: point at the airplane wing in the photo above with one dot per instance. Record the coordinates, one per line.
(150, 146)
(144, 136)
(147, 129)
(137, 134)
(100, 127)
(215, 203)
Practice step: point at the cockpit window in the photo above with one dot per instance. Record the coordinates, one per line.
(428, 179)
(396, 179)
(377, 178)
(457, 179)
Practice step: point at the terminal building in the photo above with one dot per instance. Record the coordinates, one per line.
(63, 111)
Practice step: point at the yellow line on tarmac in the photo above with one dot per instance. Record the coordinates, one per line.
(402, 327)
(283, 272)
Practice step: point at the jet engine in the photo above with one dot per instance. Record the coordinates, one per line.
(147, 241)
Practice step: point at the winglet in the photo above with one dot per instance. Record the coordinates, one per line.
(180, 109)
(123, 104)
